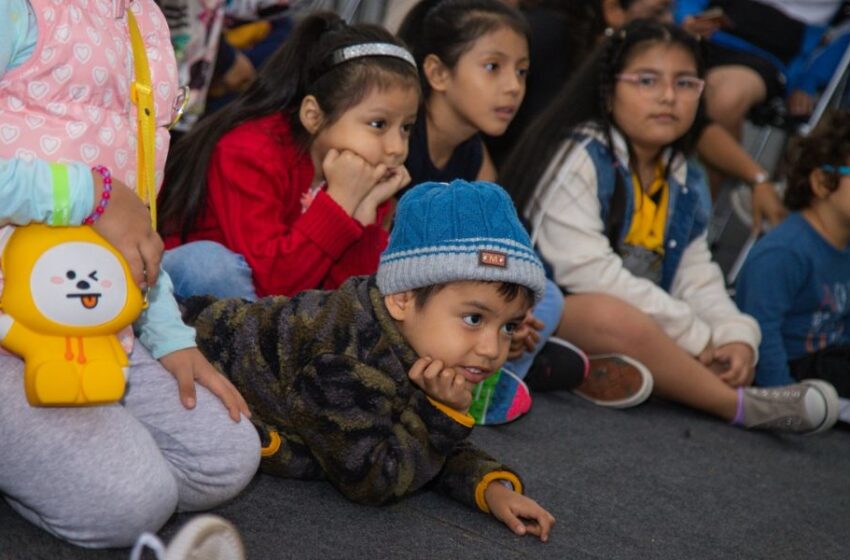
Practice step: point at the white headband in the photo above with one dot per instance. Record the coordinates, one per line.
(371, 49)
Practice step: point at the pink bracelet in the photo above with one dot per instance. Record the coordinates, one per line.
(104, 196)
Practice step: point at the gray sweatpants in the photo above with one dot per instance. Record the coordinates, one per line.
(99, 476)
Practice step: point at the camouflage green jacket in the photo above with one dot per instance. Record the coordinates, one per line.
(327, 371)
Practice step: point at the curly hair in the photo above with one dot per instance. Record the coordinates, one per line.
(828, 144)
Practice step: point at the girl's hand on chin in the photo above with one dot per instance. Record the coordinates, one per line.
(349, 178)
(389, 183)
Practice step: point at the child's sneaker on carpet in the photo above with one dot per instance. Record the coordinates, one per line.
(205, 537)
(616, 381)
(808, 407)
(501, 398)
(559, 366)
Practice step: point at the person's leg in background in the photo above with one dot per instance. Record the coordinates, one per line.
(208, 268)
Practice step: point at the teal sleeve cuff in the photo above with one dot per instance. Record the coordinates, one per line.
(160, 327)
(18, 34)
(81, 185)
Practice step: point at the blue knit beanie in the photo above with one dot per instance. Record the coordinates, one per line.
(451, 232)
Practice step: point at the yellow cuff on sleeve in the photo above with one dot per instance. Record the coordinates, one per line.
(485, 482)
(273, 446)
(456, 415)
(247, 35)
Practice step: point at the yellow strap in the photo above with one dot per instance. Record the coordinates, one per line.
(141, 94)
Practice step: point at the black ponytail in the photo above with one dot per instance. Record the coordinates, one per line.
(298, 68)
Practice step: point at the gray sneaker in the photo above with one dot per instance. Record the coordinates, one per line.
(808, 407)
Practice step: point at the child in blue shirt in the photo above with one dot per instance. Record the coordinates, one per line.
(796, 281)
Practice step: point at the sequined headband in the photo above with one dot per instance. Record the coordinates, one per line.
(371, 49)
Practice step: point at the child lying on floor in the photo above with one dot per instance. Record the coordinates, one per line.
(369, 385)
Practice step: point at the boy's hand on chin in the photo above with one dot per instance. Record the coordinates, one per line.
(526, 337)
(189, 366)
(442, 384)
(520, 513)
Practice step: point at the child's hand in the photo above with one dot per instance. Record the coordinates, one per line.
(520, 513)
(767, 204)
(442, 384)
(701, 27)
(126, 225)
(188, 366)
(526, 337)
(737, 364)
(385, 188)
(706, 357)
(350, 178)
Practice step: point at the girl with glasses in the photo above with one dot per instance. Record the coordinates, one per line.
(796, 281)
(621, 214)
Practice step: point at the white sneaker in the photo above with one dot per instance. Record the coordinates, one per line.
(616, 381)
(205, 537)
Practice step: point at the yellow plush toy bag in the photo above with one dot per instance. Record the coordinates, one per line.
(67, 292)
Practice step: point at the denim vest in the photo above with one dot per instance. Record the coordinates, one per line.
(689, 206)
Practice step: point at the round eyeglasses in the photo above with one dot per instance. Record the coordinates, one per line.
(653, 85)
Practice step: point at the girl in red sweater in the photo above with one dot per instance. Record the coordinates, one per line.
(289, 188)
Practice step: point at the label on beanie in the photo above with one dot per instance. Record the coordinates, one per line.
(492, 258)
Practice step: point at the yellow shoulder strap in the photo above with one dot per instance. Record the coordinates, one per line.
(141, 94)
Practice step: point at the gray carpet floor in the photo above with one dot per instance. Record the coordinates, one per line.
(657, 481)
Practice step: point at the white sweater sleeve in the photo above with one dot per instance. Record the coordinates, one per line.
(699, 282)
(566, 216)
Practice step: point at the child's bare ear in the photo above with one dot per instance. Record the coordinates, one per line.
(819, 183)
(400, 304)
(436, 72)
(310, 114)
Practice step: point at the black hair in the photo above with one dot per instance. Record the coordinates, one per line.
(449, 28)
(585, 20)
(828, 144)
(299, 67)
(586, 99)
(507, 290)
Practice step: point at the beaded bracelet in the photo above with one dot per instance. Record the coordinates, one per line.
(104, 196)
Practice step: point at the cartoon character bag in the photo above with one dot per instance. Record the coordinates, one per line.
(67, 293)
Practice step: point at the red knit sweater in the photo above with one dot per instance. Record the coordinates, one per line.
(255, 181)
